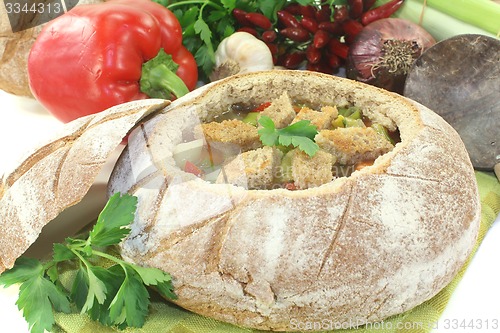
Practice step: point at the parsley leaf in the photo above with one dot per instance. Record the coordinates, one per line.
(113, 278)
(300, 134)
(268, 134)
(131, 302)
(304, 2)
(62, 253)
(229, 5)
(37, 296)
(23, 270)
(307, 145)
(302, 128)
(270, 8)
(80, 288)
(187, 17)
(202, 28)
(96, 289)
(158, 278)
(116, 215)
(206, 57)
(115, 296)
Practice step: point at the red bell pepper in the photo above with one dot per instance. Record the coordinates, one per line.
(100, 55)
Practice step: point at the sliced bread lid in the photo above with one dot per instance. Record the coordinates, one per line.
(58, 174)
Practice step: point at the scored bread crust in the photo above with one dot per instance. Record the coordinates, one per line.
(356, 250)
(57, 174)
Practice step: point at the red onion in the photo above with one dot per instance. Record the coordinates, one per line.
(384, 51)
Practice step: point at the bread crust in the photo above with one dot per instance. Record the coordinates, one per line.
(57, 174)
(352, 251)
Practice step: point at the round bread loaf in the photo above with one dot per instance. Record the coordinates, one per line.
(355, 250)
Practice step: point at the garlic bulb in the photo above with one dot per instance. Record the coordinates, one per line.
(241, 53)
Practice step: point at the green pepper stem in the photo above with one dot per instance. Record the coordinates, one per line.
(163, 79)
(159, 80)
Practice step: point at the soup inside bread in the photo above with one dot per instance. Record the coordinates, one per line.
(233, 147)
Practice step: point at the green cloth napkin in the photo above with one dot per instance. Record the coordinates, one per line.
(168, 318)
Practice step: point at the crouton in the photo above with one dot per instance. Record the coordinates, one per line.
(312, 171)
(281, 111)
(253, 169)
(321, 119)
(229, 136)
(353, 144)
(331, 111)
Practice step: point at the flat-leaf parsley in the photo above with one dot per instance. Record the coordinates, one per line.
(114, 296)
(300, 134)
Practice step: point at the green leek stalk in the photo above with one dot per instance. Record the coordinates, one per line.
(484, 14)
(443, 24)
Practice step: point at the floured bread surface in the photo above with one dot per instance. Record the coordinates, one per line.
(59, 173)
(357, 249)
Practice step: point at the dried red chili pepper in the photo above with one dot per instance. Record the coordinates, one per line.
(313, 54)
(293, 60)
(269, 36)
(320, 66)
(259, 20)
(340, 14)
(368, 4)
(308, 11)
(324, 14)
(251, 31)
(287, 19)
(338, 48)
(355, 8)
(320, 39)
(296, 34)
(273, 48)
(352, 28)
(334, 61)
(239, 15)
(274, 52)
(294, 9)
(332, 27)
(309, 24)
(380, 12)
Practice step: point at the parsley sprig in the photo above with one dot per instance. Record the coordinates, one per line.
(300, 134)
(205, 23)
(115, 296)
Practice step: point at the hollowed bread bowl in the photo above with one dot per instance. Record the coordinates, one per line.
(358, 249)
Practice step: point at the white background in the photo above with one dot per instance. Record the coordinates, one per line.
(24, 123)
